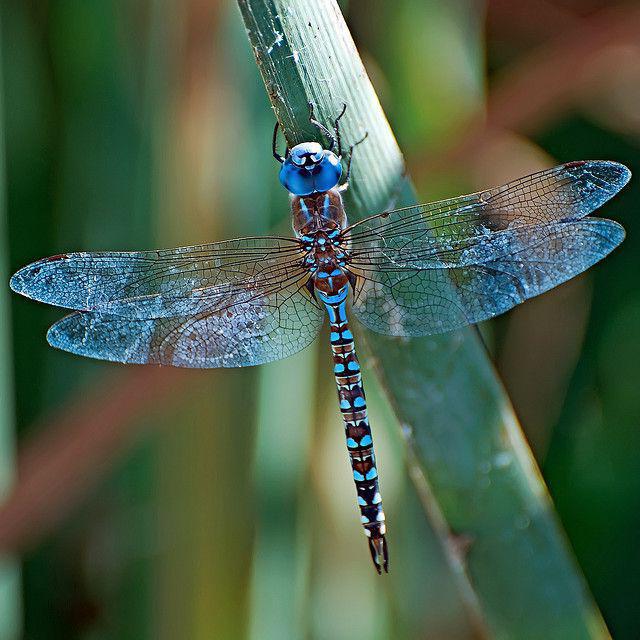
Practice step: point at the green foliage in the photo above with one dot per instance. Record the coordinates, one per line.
(10, 610)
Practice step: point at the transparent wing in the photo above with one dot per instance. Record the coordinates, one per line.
(435, 267)
(250, 330)
(567, 192)
(165, 283)
(227, 304)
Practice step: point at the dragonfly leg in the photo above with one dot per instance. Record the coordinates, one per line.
(334, 136)
(336, 127)
(274, 146)
(345, 185)
(327, 132)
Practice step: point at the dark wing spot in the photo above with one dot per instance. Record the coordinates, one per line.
(494, 219)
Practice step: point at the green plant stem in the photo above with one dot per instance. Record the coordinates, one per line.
(472, 468)
(10, 600)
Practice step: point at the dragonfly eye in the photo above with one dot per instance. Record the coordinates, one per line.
(310, 169)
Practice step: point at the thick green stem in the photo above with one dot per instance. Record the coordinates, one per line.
(10, 600)
(467, 455)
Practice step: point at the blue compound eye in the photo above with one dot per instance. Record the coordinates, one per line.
(310, 169)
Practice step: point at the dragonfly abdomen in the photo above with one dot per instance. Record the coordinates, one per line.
(353, 407)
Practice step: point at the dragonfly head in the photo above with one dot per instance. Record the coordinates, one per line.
(308, 168)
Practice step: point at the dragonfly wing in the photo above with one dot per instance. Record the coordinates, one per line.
(567, 192)
(165, 283)
(478, 282)
(247, 332)
(434, 267)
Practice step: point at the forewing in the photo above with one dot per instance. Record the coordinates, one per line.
(165, 283)
(249, 331)
(414, 236)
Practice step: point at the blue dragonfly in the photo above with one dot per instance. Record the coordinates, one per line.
(413, 271)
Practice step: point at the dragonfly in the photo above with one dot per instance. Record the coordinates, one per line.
(412, 271)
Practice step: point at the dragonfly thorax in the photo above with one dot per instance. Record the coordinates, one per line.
(318, 220)
(317, 212)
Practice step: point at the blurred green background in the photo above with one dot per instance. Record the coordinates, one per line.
(146, 503)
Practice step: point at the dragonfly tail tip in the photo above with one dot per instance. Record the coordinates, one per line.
(379, 554)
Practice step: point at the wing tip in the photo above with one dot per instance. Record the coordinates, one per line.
(57, 337)
(622, 173)
(33, 279)
(15, 282)
(76, 333)
(69, 334)
(20, 280)
(619, 232)
(614, 173)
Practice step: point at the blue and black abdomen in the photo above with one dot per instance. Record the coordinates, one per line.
(353, 407)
